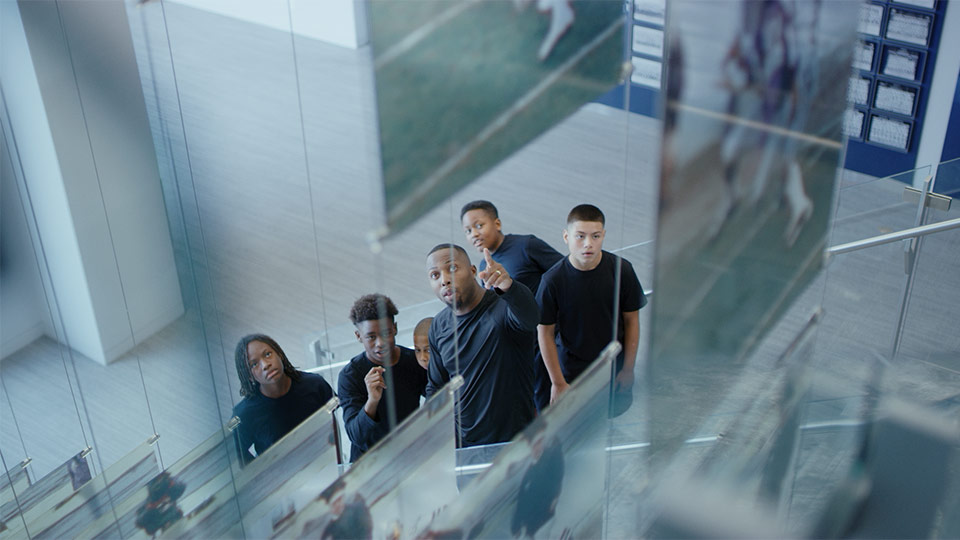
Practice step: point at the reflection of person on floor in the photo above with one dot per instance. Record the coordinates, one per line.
(770, 75)
(487, 337)
(350, 520)
(576, 298)
(561, 17)
(160, 509)
(276, 397)
(421, 342)
(342, 520)
(540, 487)
(79, 471)
(525, 257)
(362, 386)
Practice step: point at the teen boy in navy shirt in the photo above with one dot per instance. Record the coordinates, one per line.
(525, 257)
(576, 298)
(362, 386)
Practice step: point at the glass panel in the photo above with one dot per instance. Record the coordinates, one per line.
(545, 481)
(13, 482)
(284, 478)
(39, 420)
(745, 197)
(868, 207)
(948, 177)
(77, 510)
(395, 487)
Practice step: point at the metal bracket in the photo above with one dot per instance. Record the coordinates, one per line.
(153, 438)
(25, 462)
(934, 200)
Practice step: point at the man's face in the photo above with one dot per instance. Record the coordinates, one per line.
(421, 347)
(264, 363)
(452, 277)
(584, 240)
(481, 230)
(379, 340)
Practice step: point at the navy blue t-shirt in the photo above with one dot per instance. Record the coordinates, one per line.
(525, 257)
(495, 343)
(264, 420)
(580, 304)
(409, 383)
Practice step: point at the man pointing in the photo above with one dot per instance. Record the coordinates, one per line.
(485, 334)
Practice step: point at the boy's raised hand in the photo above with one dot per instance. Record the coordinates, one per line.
(494, 276)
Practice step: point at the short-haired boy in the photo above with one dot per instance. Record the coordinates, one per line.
(363, 381)
(525, 257)
(421, 342)
(576, 298)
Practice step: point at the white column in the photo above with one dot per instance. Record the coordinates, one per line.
(78, 117)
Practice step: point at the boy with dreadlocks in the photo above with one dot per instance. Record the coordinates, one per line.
(276, 397)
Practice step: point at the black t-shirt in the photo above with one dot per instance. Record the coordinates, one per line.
(408, 384)
(264, 420)
(580, 304)
(525, 257)
(495, 343)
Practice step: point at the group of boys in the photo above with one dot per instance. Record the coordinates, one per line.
(519, 337)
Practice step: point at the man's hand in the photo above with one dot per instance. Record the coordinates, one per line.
(624, 380)
(494, 276)
(557, 389)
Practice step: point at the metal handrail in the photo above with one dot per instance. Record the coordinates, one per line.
(889, 238)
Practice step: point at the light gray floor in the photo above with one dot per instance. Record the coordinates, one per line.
(272, 189)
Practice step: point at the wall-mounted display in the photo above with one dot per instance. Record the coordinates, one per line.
(853, 123)
(901, 63)
(651, 11)
(927, 4)
(871, 19)
(863, 54)
(889, 132)
(858, 90)
(648, 41)
(895, 98)
(909, 26)
(646, 72)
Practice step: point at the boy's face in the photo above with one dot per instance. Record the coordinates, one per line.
(421, 347)
(481, 229)
(584, 240)
(265, 364)
(378, 340)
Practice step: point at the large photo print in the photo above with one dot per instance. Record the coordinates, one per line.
(755, 99)
(462, 84)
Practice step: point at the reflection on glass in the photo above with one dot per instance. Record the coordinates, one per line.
(69, 512)
(546, 482)
(395, 487)
(284, 477)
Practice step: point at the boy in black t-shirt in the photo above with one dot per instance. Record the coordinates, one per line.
(363, 382)
(576, 298)
(525, 257)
